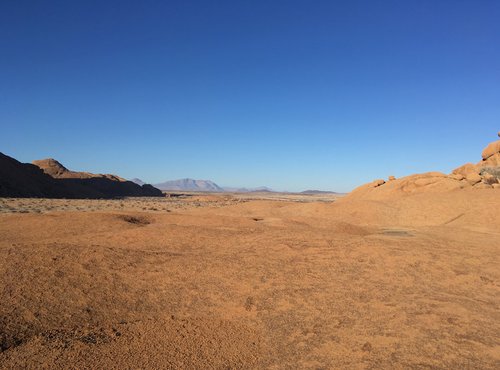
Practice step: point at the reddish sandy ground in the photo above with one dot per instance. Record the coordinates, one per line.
(410, 284)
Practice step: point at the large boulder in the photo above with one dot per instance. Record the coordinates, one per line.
(473, 178)
(492, 161)
(466, 169)
(491, 149)
(486, 170)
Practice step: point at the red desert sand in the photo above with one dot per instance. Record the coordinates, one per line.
(399, 274)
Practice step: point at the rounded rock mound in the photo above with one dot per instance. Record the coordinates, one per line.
(483, 175)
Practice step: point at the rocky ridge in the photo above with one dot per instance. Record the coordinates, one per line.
(483, 175)
(55, 169)
(50, 179)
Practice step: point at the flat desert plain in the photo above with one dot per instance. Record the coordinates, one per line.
(227, 282)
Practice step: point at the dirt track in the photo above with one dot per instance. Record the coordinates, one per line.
(260, 284)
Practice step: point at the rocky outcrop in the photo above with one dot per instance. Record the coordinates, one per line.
(27, 180)
(491, 150)
(55, 169)
(482, 175)
(53, 180)
(465, 170)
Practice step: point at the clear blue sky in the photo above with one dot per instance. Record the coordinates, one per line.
(289, 94)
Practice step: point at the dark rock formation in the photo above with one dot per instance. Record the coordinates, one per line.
(26, 180)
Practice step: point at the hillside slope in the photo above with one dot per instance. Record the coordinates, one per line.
(53, 180)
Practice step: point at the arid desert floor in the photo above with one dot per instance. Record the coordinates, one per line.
(222, 281)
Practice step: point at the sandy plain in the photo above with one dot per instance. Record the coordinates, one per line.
(228, 282)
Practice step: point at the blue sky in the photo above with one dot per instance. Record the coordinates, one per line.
(289, 94)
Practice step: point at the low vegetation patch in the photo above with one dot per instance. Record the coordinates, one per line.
(136, 220)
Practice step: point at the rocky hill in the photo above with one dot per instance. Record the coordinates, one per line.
(27, 180)
(55, 169)
(50, 179)
(483, 175)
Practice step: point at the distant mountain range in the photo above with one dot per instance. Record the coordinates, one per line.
(138, 181)
(317, 192)
(247, 190)
(200, 186)
(50, 179)
(189, 185)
